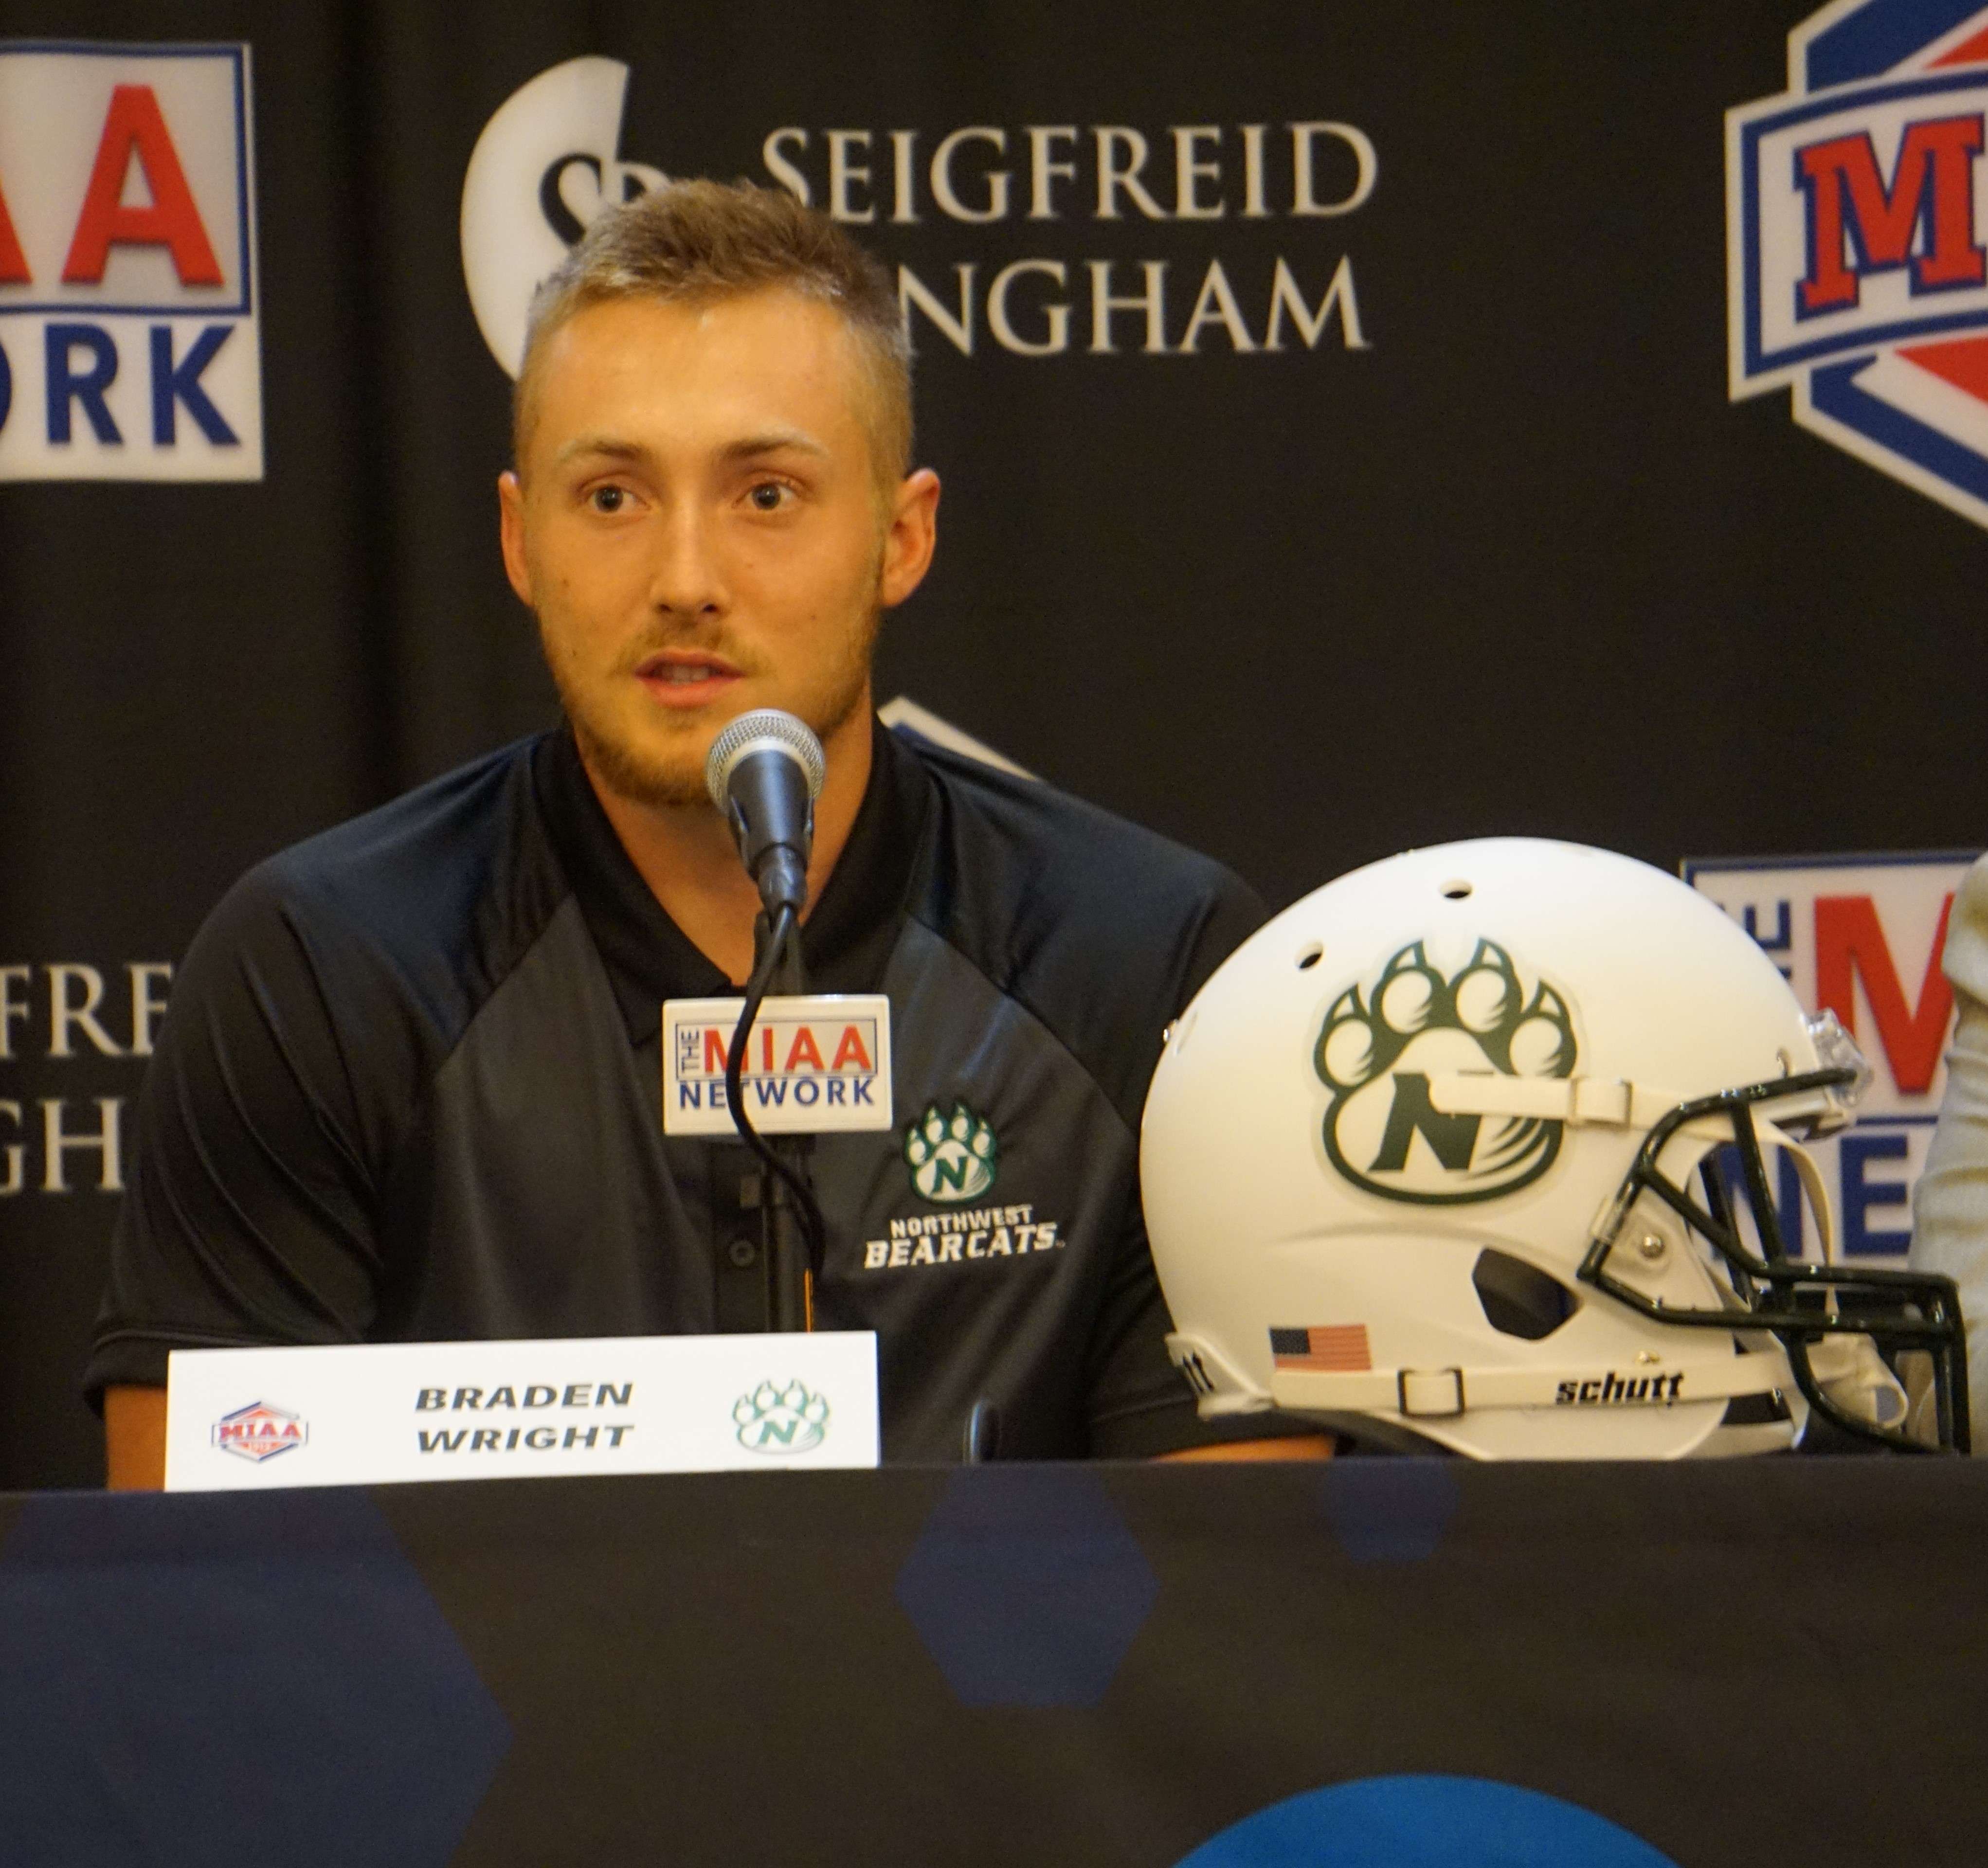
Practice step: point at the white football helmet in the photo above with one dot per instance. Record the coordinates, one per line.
(1433, 1157)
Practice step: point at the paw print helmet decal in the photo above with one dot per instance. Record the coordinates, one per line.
(1472, 1149)
(1478, 1018)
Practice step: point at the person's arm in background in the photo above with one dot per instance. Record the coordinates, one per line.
(1950, 1204)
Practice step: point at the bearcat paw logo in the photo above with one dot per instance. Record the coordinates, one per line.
(951, 1152)
(776, 1420)
(1377, 1054)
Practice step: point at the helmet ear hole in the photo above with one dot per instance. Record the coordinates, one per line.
(1519, 1299)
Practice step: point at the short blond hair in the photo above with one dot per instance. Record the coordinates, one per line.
(696, 240)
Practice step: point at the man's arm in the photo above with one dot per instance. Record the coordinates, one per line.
(134, 1435)
(247, 1219)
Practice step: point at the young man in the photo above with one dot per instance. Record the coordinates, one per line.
(410, 1087)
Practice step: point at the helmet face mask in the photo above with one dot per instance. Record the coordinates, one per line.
(1434, 1158)
(1813, 1312)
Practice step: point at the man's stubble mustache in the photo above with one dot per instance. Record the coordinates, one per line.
(711, 641)
(624, 769)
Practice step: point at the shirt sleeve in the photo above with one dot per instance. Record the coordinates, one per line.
(248, 1219)
(1140, 1404)
(1950, 1202)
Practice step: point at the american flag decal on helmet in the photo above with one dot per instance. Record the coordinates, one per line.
(1339, 1348)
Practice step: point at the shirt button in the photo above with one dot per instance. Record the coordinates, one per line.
(742, 1252)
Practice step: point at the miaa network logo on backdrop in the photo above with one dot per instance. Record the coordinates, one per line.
(547, 163)
(128, 344)
(1858, 269)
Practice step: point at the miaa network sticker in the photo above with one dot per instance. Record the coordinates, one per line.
(817, 1064)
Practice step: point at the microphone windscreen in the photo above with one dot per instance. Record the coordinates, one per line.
(764, 729)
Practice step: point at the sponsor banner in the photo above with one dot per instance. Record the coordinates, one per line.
(129, 347)
(88, 1029)
(816, 1064)
(549, 161)
(1858, 240)
(387, 1413)
(1863, 937)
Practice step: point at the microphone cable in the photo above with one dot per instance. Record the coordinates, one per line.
(782, 929)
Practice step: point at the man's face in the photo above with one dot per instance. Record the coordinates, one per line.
(699, 524)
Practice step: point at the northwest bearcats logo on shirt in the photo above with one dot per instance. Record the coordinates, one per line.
(952, 1153)
(1377, 1054)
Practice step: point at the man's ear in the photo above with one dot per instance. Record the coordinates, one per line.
(511, 532)
(911, 538)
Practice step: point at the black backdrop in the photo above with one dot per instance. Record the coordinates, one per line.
(1518, 565)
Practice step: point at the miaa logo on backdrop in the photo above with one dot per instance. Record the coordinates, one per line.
(128, 343)
(1857, 266)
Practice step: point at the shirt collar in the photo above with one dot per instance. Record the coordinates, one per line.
(845, 942)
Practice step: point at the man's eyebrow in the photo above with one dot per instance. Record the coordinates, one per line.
(777, 440)
(604, 444)
(747, 447)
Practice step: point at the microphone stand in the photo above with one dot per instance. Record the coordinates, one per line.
(783, 1240)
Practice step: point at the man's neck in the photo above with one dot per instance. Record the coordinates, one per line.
(686, 853)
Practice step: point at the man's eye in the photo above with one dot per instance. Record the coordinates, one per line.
(608, 499)
(768, 496)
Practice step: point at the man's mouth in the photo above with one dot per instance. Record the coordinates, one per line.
(677, 677)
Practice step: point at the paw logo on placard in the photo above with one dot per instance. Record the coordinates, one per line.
(1377, 1055)
(779, 1420)
(951, 1152)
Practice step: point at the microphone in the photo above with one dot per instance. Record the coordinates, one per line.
(765, 772)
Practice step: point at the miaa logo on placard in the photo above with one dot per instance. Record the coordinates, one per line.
(128, 341)
(1857, 266)
(259, 1432)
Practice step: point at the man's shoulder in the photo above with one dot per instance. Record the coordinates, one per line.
(1102, 929)
(444, 838)
(432, 896)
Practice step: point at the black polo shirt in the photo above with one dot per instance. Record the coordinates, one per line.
(409, 1090)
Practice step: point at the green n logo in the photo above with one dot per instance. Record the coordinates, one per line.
(951, 1173)
(1453, 1138)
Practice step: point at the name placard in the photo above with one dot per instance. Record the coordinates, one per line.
(816, 1064)
(390, 1412)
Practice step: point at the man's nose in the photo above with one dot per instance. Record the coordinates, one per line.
(685, 578)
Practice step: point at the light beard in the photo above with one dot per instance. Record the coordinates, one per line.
(641, 777)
